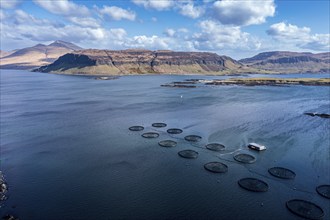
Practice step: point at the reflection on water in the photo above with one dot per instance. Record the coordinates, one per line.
(67, 152)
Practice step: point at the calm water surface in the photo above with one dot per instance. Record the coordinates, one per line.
(67, 153)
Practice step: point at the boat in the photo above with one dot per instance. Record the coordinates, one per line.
(106, 77)
(257, 147)
(102, 78)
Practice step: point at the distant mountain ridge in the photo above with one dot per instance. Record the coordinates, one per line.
(35, 56)
(290, 62)
(68, 45)
(5, 53)
(68, 58)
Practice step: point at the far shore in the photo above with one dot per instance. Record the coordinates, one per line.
(223, 73)
(192, 83)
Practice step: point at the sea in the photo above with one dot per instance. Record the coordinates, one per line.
(67, 152)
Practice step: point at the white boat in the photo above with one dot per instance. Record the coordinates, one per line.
(257, 147)
(102, 78)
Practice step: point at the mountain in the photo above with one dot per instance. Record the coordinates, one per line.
(68, 58)
(64, 44)
(289, 62)
(38, 55)
(3, 53)
(111, 62)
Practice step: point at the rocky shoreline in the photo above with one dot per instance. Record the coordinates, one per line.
(3, 197)
(3, 188)
(321, 115)
(192, 83)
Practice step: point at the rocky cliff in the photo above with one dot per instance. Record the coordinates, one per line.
(290, 62)
(111, 62)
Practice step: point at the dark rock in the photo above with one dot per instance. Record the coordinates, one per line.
(3, 188)
(178, 86)
(9, 217)
(310, 114)
(323, 115)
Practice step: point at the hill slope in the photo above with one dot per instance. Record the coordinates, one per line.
(38, 55)
(290, 62)
(110, 62)
(5, 53)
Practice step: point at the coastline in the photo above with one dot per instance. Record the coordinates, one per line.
(222, 73)
(192, 83)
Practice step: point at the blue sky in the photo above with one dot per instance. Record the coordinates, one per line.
(237, 28)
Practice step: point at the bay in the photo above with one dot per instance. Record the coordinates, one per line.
(67, 152)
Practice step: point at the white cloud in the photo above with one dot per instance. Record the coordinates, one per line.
(117, 33)
(169, 32)
(155, 4)
(74, 13)
(185, 7)
(3, 15)
(153, 42)
(85, 22)
(9, 4)
(67, 33)
(191, 11)
(183, 30)
(26, 27)
(23, 18)
(117, 13)
(23, 27)
(181, 33)
(214, 36)
(283, 31)
(299, 36)
(245, 12)
(318, 42)
(154, 19)
(64, 7)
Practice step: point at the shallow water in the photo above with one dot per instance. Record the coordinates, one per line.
(67, 153)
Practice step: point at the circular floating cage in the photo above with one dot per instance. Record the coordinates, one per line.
(136, 128)
(324, 190)
(189, 154)
(215, 147)
(305, 209)
(174, 131)
(245, 158)
(282, 173)
(150, 135)
(193, 138)
(216, 167)
(167, 143)
(253, 184)
(159, 125)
